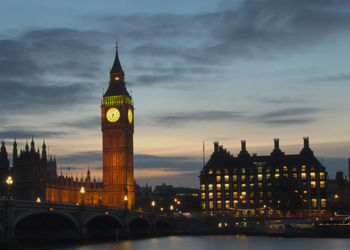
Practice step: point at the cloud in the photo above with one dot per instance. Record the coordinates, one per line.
(341, 77)
(160, 172)
(91, 122)
(23, 134)
(80, 157)
(281, 100)
(299, 115)
(195, 116)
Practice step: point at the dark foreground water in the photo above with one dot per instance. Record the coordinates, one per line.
(221, 243)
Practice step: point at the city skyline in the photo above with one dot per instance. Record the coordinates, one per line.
(224, 72)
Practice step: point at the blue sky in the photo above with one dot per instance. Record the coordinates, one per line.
(198, 71)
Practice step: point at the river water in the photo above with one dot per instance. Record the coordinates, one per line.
(221, 243)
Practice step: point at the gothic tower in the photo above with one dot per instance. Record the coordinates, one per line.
(117, 123)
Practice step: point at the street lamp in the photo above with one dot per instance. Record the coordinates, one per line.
(172, 209)
(82, 191)
(153, 204)
(9, 182)
(126, 201)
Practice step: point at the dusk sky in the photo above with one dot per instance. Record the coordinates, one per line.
(198, 71)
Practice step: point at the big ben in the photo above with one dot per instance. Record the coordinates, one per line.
(117, 123)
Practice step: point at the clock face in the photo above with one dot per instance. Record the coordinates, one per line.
(113, 115)
(130, 116)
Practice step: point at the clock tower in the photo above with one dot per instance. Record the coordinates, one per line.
(117, 123)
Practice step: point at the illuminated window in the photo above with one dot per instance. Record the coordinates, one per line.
(251, 185)
(210, 171)
(313, 184)
(235, 195)
(210, 187)
(312, 175)
(235, 201)
(277, 175)
(218, 195)
(227, 186)
(244, 202)
(285, 168)
(202, 187)
(227, 204)
(219, 225)
(226, 171)
(251, 178)
(243, 170)
(285, 175)
(259, 184)
(218, 187)
(314, 203)
(218, 172)
(203, 196)
(243, 185)
(211, 204)
(269, 184)
(277, 170)
(260, 177)
(322, 175)
(303, 176)
(243, 195)
(259, 169)
(251, 202)
(323, 203)
(203, 205)
(268, 176)
(322, 184)
(218, 178)
(268, 170)
(261, 194)
(294, 169)
(303, 168)
(295, 175)
(219, 206)
(235, 185)
(211, 195)
(227, 178)
(243, 178)
(234, 177)
(269, 194)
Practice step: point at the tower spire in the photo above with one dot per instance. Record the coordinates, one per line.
(116, 70)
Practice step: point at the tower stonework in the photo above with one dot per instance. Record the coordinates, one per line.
(117, 124)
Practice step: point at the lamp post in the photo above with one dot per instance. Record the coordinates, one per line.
(172, 209)
(126, 202)
(153, 204)
(82, 191)
(9, 182)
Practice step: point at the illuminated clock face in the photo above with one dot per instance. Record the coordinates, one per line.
(113, 115)
(130, 115)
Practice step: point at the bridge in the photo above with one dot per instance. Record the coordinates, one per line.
(23, 221)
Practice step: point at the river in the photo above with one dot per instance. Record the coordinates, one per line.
(221, 243)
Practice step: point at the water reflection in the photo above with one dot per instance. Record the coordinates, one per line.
(222, 243)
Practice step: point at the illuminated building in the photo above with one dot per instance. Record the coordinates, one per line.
(246, 185)
(35, 176)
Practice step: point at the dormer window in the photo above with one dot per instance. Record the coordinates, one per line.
(116, 78)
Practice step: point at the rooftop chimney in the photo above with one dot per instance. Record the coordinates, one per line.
(277, 143)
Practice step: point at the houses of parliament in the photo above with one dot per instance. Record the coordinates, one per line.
(35, 174)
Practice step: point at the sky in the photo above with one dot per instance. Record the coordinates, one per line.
(199, 71)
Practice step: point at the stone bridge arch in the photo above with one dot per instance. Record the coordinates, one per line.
(161, 227)
(139, 227)
(46, 226)
(104, 227)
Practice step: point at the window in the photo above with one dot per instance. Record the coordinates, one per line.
(218, 195)
(313, 184)
(268, 170)
(202, 187)
(303, 168)
(268, 176)
(220, 225)
(259, 169)
(218, 178)
(243, 195)
(251, 202)
(234, 177)
(203, 205)
(269, 194)
(226, 171)
(260, 177)
(211, 204)
(259, 184)
(227, 204)
(244, 202)
(303, 176)
(251, 185)
(227, 178)
(210, 171)
(243, 170)
(243, 178)
(314, 203)
(227, 186)
(219, 206)
(323, 203)
(243, 185)
(295, 175)
(322, 175)
(261, 194)
(235, 195)
(251, 178)
(277, 170)
(277, 175)
(294, 169)
(285, 168)
(322, 184)
(218, 172)
(218, 187)
(312, 175)
(211, 195)
(210, 187)
(203, 196)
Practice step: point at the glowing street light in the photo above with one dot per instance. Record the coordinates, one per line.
(153, 204)
(9, 182)
(82, 191)
(38, 200)
(126, 201)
